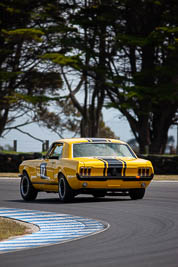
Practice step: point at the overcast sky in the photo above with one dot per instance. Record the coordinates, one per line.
(112, 119)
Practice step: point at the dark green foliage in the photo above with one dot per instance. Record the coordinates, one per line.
(26, 83)
(84, 48)
(145, 87)
(119, 53)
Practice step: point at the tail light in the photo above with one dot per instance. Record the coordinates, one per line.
(85, 171)
(143, 171)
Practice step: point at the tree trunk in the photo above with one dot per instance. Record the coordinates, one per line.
(144, 137)
(89, 126)
(91, 118)
(3, 120)
(162, 121)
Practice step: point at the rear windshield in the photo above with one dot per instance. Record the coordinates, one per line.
(101, 149)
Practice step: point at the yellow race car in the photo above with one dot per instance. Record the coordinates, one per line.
(96, 166)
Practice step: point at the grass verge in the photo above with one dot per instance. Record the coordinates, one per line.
(165, 177)
(9, 174)
(11, 228)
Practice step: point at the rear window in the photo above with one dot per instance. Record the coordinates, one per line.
(101, 149)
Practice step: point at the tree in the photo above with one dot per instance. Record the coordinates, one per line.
(25, 83)
(144, 85)
(88, 40)
(105, 131)
(122, 49)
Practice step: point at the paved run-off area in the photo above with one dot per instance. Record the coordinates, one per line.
(54, 228)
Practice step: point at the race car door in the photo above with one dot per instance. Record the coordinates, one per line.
(47, 168)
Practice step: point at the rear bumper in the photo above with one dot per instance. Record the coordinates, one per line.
(121, 178)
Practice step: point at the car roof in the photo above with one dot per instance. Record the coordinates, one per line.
(89, 140)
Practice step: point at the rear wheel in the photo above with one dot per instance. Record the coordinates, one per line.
(66, 194)
(137, 193)
(28, 192)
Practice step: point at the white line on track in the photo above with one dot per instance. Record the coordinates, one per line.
(53, 228)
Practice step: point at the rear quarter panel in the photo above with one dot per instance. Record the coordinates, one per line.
(69, 168)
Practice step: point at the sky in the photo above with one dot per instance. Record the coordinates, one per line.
(112, 118)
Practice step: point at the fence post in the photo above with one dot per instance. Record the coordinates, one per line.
(45, 146)
(15, 145)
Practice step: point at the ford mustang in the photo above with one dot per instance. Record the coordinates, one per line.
(96, 166)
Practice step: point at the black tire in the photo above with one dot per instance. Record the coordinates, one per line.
(137, 193)
(97, 194)
(28, 192)
(66, 194)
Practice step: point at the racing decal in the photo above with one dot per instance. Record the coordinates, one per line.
(105, 166)
(113, 166)
(125, 166)
(116, 167)
(43, 171)
(97, 140)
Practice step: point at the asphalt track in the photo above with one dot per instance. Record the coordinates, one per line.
(142, 233)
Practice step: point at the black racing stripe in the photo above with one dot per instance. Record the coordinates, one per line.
(114, 163)
(98, 140)
(105, 166)
(125, 166)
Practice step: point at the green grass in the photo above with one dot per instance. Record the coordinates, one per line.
(10, 228)
(165, 177)
(16, 153)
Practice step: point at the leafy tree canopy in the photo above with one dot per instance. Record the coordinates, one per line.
(26, 84)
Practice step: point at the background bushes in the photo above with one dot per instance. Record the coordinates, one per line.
(10, 162)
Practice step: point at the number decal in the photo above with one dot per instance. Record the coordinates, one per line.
(43, 172)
